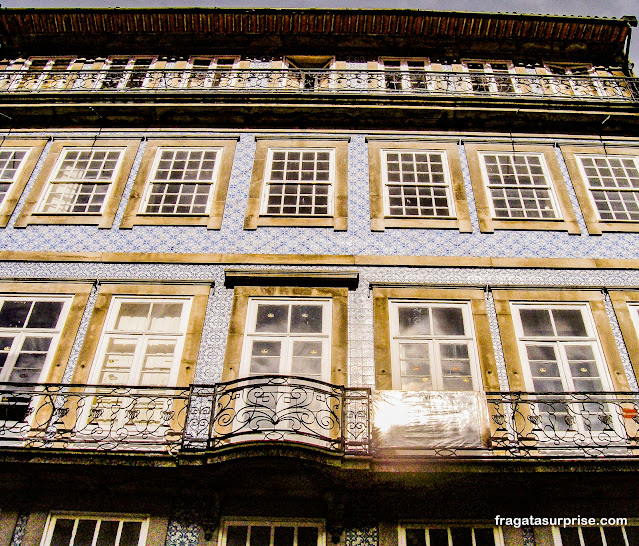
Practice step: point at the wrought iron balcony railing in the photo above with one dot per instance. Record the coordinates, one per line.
(202, 417)
(590, 424)
(337, 419)
(388, 83)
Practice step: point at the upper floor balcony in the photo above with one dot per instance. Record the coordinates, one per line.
(295, 411)
(153, 84)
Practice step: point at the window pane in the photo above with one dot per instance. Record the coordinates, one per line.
(307, 536)
(272, 318)
(484, 537)
(45, 314)
(438, 537)
(614, 536)
(28, 367)
(569, 322)
(130, 533)
(306, 319)
(592, 536)
(415, 537)
(62, 532)
(536, 322)
(236, 535)
(632, 533)
(133, 316)
(448, 321)
(85, 532)
(260, 536)
(570, 537)
(307, 358)
(462, 536)
(265, 357)
(283, 536)
(14, 313)
(414, 321)
(165, 317)
(108, 533)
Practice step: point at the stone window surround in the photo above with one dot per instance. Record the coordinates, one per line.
(213, 220)
(488, 378)
(80, 295)
(28, 214)
(339, 335)
(198, 293)
(379, 222)
(567, 220)
(338, 221)
(17, 186)
(593, 224)
(620, 300)
(594, 300)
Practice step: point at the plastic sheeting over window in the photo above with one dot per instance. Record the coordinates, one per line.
(430, 420)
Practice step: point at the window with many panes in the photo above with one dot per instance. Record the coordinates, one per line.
(30, 328)
(432, 346)
(205, 72)
(596, 536)
(613, 184)
(288, 336)
(272, 532)
(142, 342)
(181, 181)
(559, 344)
(12, 161)
(453, 535)
(299, 182)
(519, 186)
(417, 184)
(406, 73)
(490, 76)
(81, 181)
(95, 530)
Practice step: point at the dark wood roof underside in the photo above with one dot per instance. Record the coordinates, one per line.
(28, 30)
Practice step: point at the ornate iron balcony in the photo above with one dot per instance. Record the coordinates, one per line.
(414, 83)
(297, 411)
(578, 424)
(202, 417)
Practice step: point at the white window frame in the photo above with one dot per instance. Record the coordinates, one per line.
(54, 516)
(591, 338)
(556, 535)
(125, 72)
(19, 170)
(272, 522)
(571, 83)
(52, 181)
(288, 63)
(288, 338)
(268, 182)
(23, 332)
(605, 189)
(140, 338)
(549, 187)
(144, 202)
(401, 531)
(405, 79)
(213, 69)
(37, 83)
(447, 184)
(432, 341)
(488, 75)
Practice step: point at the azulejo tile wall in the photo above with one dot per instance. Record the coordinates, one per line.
(358, 240)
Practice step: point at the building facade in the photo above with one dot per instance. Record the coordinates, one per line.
(301, 277)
